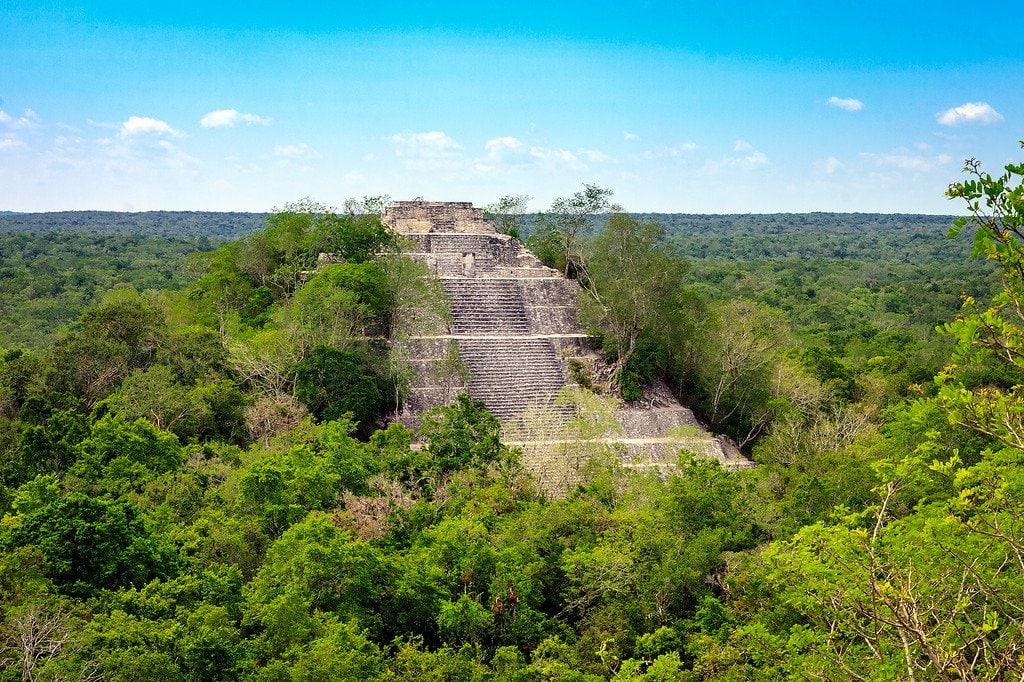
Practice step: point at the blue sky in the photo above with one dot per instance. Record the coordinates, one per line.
(676, 106)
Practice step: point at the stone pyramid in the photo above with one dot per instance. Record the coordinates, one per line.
(515, 344)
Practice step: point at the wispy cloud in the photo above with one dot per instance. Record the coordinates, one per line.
(630, 137)
(502, 147)
(672, 152)
(433, 151)
(904, 160)
(555, 158)
(749, 159)
(229, 118)
(144, 125)
(176, 158)
(831, 165)
(28, 119)
(429, 145)
(11, 143)
(105, 125)
(845, 103)
(511, 152)
(980, 113)
(295, 151)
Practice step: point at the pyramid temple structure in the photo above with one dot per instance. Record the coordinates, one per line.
(514, 343)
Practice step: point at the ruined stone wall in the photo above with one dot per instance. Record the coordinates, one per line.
(422, 217)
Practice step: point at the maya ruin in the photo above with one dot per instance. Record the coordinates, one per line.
(514, 334)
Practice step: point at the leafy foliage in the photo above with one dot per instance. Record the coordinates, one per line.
(332, 383)
(193, 486)
(48, 279)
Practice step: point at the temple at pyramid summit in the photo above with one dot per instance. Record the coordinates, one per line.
(514, 343)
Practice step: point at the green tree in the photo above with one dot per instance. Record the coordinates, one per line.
(130, 320)
(21, 375)
(368, 205)
(634, 285)
(558, 238)
(313, 568)
(355, 238)
(507, 213)
(195, 353)
(91, 544)
(48, 441)
(342, 303)
(332, 383)
(924, 583)
(461, 435)
(282, 490)
(87, 367)
(739, 369)
(114, 437)
(156, 395)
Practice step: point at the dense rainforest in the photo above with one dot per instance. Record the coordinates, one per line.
(196, 482)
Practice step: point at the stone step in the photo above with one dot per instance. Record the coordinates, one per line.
(481, 305)
(508, 374)
(496, 328)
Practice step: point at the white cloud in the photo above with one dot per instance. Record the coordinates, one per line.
(295, 151)
(509, 151)
(831, 165)
(144, 125)
(176, 158)
(65, 141)
(555, 157)
(970, 112)
(630, 137)
(904, 160)
(429, 145)
(28, 119)
(229, 118)
(11, 143)
(845, 103)
(501, 146)
(671, 152)
(751, 159)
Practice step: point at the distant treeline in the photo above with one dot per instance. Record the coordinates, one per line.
(905, 238)
(48, 278)
(215, 225)
(893, 237)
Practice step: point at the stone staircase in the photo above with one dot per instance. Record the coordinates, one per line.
(486, 306)
(509, 374)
